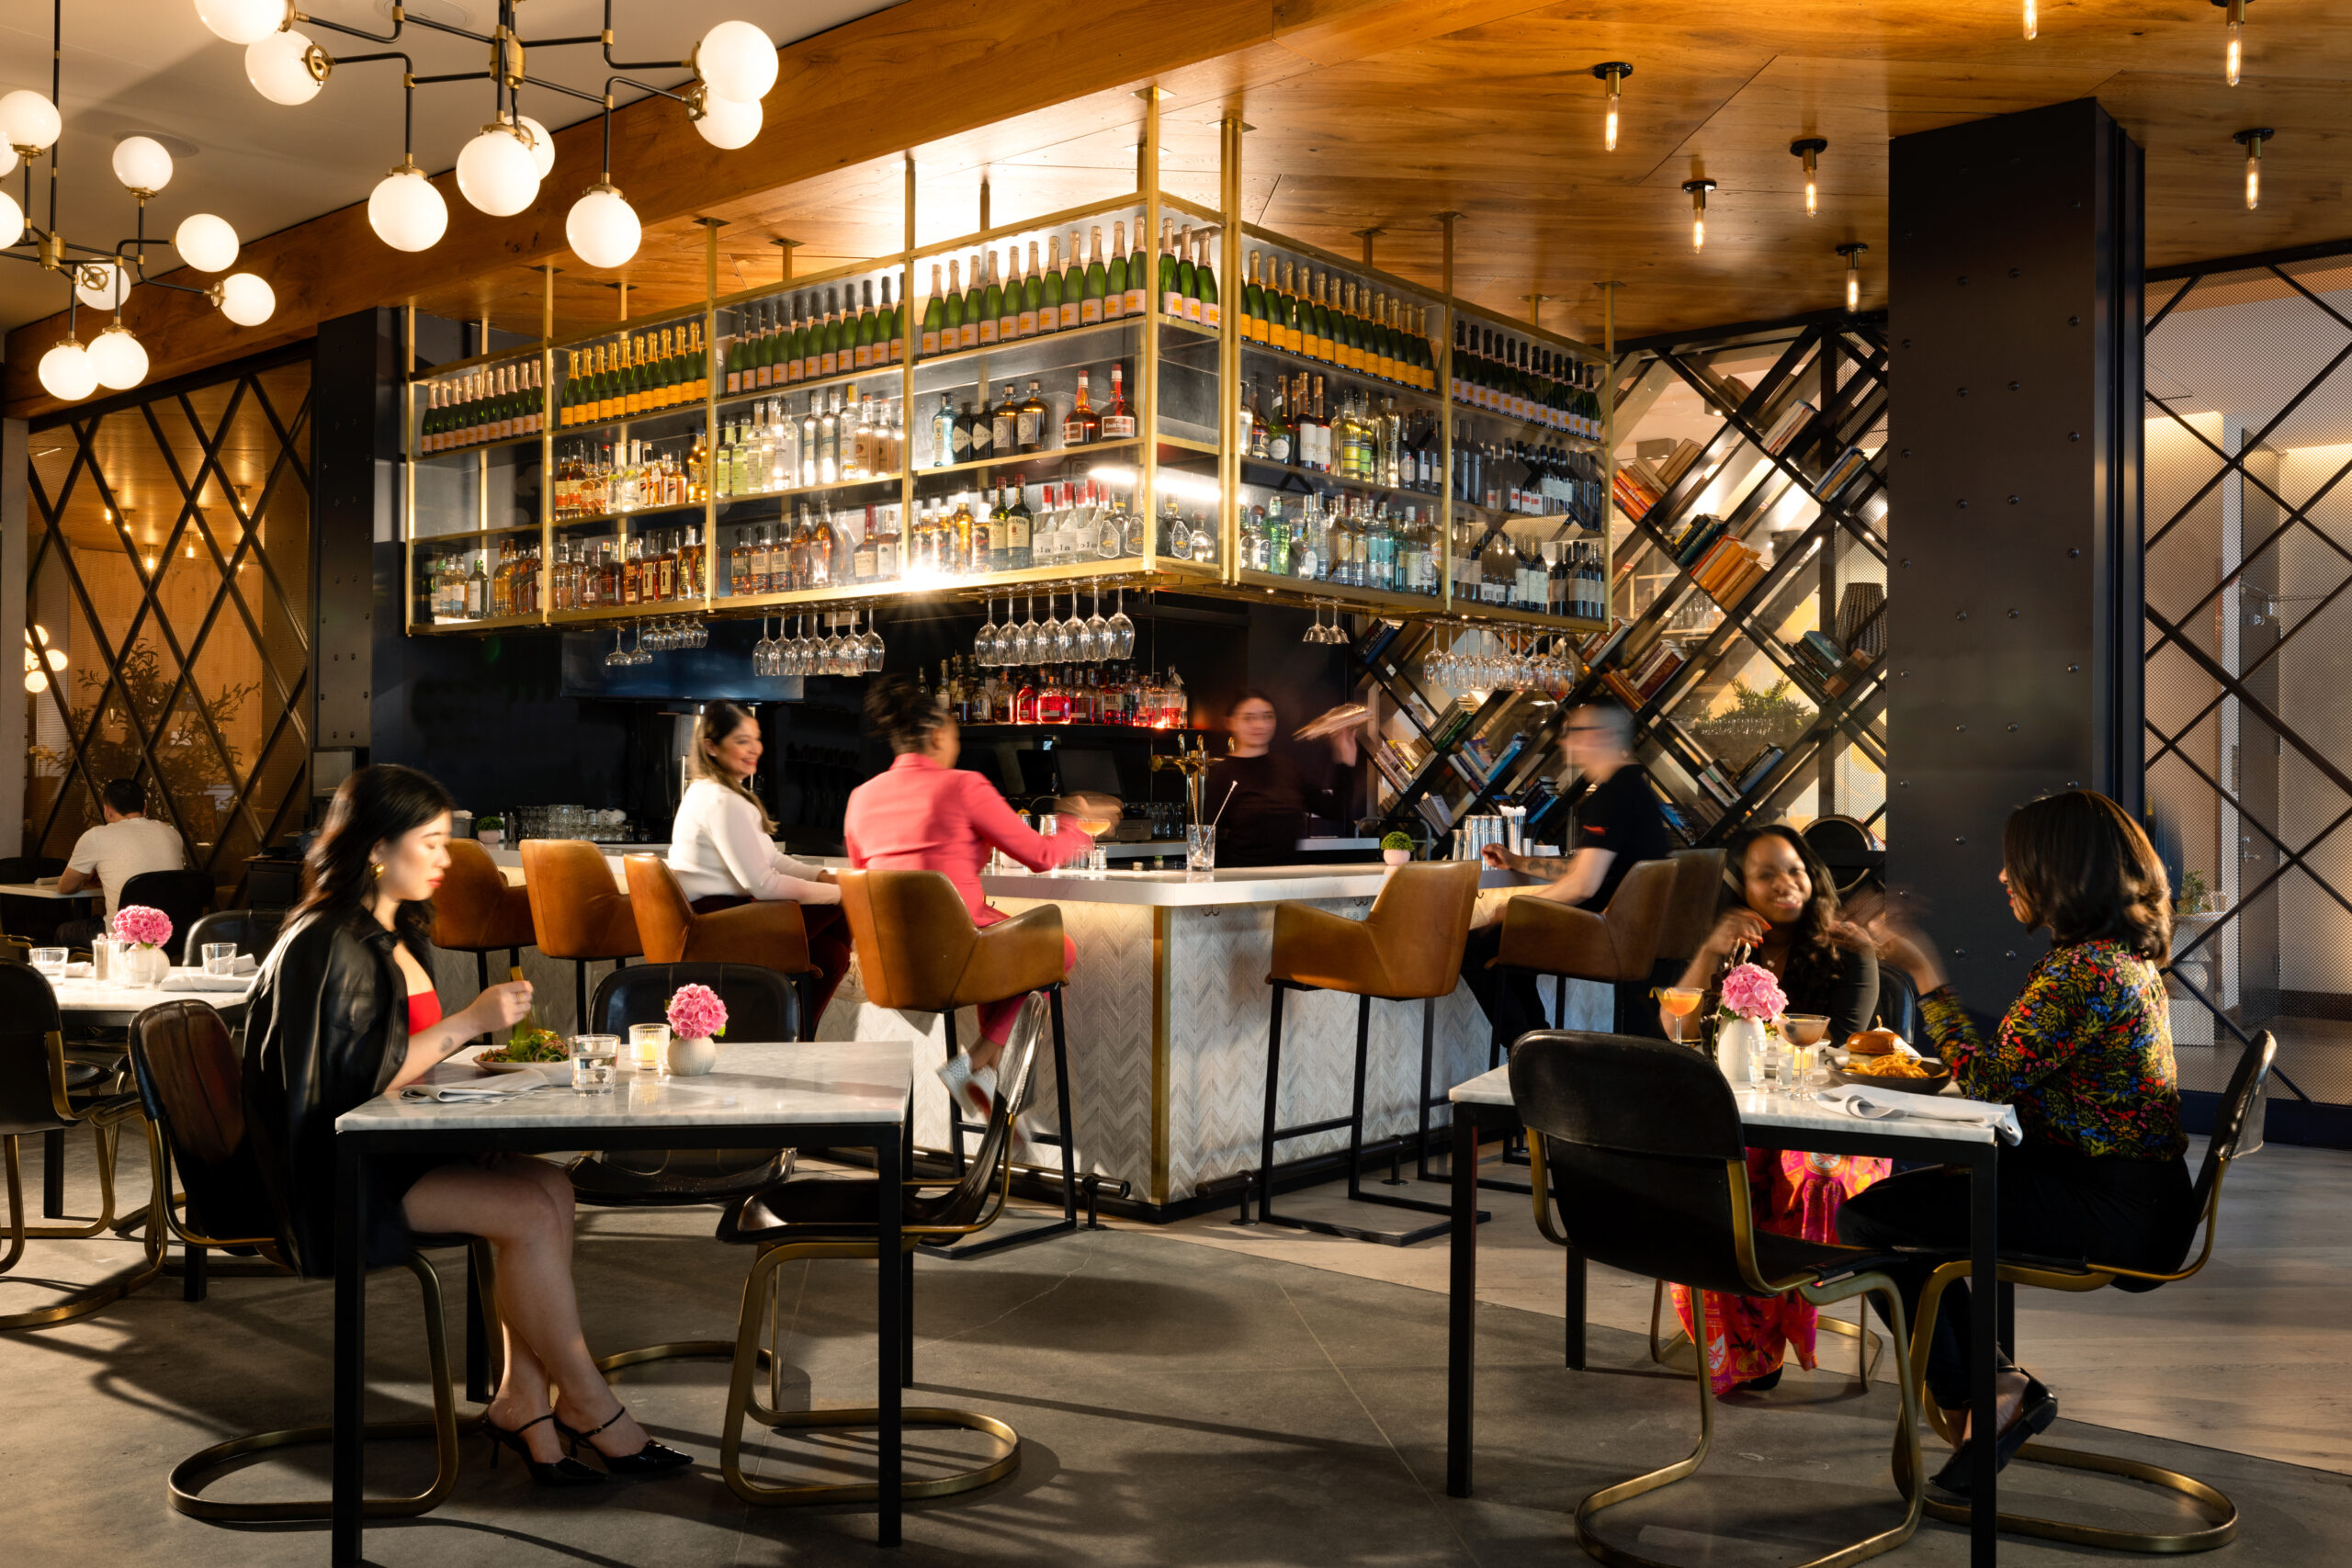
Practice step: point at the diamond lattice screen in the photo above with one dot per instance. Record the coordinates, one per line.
(168, 615)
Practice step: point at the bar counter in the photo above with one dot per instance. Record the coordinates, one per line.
(1167, 1019)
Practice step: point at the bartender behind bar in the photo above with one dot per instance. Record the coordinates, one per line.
(1264, 798)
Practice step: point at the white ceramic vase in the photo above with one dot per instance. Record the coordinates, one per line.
(136, 965)
(1739, 1045)
(692, 1058)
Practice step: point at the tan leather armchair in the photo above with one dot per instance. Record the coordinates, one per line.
(577, 911)
(1615, 946)
(1691, 914)
(475, 911)
(768, 933)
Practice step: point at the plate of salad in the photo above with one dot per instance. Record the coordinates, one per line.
(526, 1048)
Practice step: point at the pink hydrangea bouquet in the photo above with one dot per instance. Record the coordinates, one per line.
(1751, 992)
(144, 926)
(697, 1013)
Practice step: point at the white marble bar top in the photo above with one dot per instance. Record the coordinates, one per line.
(755, 1084)
(1771, 1112)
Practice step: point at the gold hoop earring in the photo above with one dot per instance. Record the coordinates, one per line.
(377, 868)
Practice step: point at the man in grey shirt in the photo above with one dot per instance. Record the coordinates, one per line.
(127, 846)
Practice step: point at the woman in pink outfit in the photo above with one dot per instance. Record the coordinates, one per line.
(926, 815)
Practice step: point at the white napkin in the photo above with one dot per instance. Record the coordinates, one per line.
(198, 980)
(493, 1086)
(79, 971)
(1894, 1105)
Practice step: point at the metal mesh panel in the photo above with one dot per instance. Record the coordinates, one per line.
(2249, 652)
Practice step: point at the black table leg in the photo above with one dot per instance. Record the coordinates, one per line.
(53, 1176)
(1462, 1305)
(1572, 1299)
(477, 1334)
(1984, 1319)
(350, 1354)
(889, 1340)
(193, 1274)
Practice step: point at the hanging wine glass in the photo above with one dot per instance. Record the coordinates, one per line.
(760, 650)
(871, 646)
(1094, 643)
(788, 651)
(837, 646)
(984, 640)
(1032, 646)
(615, 658)
(1065, 632)
(1123, 630)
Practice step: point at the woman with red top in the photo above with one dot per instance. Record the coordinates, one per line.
(2084, 1055)
(924, 814)
(344, 1009)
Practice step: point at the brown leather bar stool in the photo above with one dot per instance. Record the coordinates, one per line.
(1616, 947)
(1407, 948)
(475, 911)
(769, 932)
(917, 949)
(577, 910)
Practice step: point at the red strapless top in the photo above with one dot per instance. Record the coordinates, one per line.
(424, 1010)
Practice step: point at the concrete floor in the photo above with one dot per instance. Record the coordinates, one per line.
(1181, 1401)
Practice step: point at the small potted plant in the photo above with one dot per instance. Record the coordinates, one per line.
(143, 932)
(696, 1018)
(490, 831)
(1396, 848)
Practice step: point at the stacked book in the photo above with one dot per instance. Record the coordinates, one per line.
(1642, 481)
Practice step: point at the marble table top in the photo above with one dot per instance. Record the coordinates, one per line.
(1772, 1111)
(111, 999)
(1179, 889)
(755, 1084)
(49, 890)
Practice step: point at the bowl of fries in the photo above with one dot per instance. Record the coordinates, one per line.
(1896, 1070)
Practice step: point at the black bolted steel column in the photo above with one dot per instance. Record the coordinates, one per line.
(2015, 379)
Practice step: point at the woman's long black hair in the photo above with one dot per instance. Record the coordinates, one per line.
(374, 806)
(1814, 961)
(2084, 868)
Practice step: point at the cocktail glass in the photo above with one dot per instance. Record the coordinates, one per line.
(1680, 1002)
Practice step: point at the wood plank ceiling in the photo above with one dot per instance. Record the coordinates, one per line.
(1372, 114)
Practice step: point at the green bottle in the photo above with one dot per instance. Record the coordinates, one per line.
(1045, 300)
(951, 330)
(980, 325)
(1115, 278)
(934, 316)
(1073, 284)
(992, 305)
(1210, 316)
(1097, 285)
(1175, 270)
(1137, 279)
(890, 339)
(863, 350)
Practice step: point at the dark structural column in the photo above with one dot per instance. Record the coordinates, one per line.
(355, 391)
(2014, 330)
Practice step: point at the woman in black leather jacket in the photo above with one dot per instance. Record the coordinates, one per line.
(345, 1010)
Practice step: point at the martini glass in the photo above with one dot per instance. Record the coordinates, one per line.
(1680, 1002)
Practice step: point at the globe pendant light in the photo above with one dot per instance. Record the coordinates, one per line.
(65, 373)
(143, 164)
(736, 62)
(206, 243)
(406, 211)
(243, 21)
(102, 284)
(287, 68)
(244, 298)
(12, 222)
(542, 144)
(603, 229)
(724, 123)
(117, 359)
(495, 172)
(29, 122)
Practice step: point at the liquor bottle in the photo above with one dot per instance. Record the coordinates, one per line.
(1169, 280)
(1094, 285)
(981, 428)
(999, 524)
(1083, 427)
(950, 442)
(1118, 420)
(829, 440)
(1138, 281)
(1115, 278)
(1004, 431)
(1282, 434)
(1049, 296)
(1031, 427)
(883, 524)
(991, 303)
(1201, 304)
(1020, 526)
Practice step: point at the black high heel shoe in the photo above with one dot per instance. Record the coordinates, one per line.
(562, 1472)
(651, 1460)
(2036, 1411)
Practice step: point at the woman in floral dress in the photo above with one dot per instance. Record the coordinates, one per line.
(1779, 900)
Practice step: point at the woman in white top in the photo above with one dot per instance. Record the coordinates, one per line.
(723, 852)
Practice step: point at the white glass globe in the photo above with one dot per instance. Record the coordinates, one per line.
(7, 160)
(12, 222)
(279, 67)
(244, 298)
(28, 120)
(406, 212)
(542, 144)
(242, 22)
(140, 162)
(736, 61)
(728, 124)
(106, 294)
(603, 229)
(117, 359)
(65, 373)
(496, 175)
(206, 243)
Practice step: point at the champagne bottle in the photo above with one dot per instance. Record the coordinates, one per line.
(1005, 291)
(1138, 282)
(990, 302)
(1029, 292)
(973, 299)
(862, 348)
(1169, 282)
(1253, 304)
(1046, 294)
(934, 316)
(951, 316)
(1115, 289)
(1095, 287)
(894, 326)
(1200, 305)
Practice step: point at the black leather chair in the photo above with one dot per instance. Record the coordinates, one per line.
(253, 930)
(190, 1078)
(182, 895)
(44, 1092)
(2230, 1139)
(30, 868)
(1640, 1140)
(760, 1006)
(830, 1216)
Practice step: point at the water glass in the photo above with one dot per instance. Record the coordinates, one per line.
(1199, 848)
(649, 1046)
(102, 952)
(593, 1057)
(1798, 1071)
(51, 960)
(220, 958)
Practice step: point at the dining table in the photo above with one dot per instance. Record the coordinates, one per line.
(87, 1000)
(1483, 1109)
(832, 1094)
(47, 890)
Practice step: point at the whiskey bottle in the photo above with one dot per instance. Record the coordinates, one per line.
(1031, 426)
(1083, 426)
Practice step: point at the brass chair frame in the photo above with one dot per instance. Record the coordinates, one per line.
(2219, 1514)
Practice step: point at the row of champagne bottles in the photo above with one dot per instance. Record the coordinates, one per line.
(1526, 381)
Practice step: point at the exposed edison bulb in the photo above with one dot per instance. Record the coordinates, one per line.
(2032, 22)
(1698, 230)
(1698, 189)
(1853, 286)
(2253, 181)
(1811, 196)
(1612, 74)
(2233, 50)
(1609, 125)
